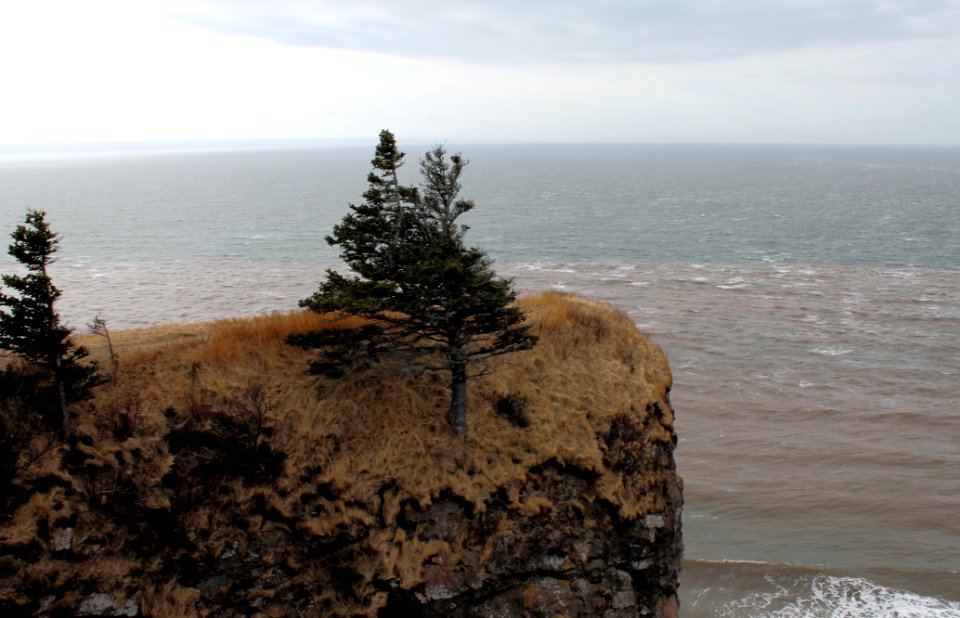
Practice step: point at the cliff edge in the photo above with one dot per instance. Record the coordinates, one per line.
(214, 477)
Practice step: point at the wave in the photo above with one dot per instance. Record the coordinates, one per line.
(734, 589)
(839, 597)
(831, 351)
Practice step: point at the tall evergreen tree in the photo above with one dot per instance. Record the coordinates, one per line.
(423, 293)
(29, 323)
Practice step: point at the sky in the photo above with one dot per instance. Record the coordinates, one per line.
(740, 71)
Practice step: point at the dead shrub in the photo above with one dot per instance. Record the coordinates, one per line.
(513, 407)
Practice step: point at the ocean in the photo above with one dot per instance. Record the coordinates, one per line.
(808, 298)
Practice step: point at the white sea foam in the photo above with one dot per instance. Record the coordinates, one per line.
(836, 597)
(831, 351)
(547, 268)
(733, 286)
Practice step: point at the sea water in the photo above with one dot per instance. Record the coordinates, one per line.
(808, 298)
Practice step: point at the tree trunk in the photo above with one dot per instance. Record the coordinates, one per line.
(457, 417)
(64, 408)
(57, 357)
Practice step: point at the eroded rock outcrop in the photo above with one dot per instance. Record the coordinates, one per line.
(242, 486)
(557, 552)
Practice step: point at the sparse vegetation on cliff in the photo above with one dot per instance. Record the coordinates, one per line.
(214, 476)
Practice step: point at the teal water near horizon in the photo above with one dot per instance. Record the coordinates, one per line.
(846, 206)
(808, 298)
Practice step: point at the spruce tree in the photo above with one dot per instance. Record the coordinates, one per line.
(30, 325)
(423, 292)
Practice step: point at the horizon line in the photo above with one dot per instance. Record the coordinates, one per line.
(196, 144)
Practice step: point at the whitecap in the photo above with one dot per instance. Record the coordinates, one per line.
(831, 351)
(898, 274)
(838, 597)
(545, 267)
(537, 266)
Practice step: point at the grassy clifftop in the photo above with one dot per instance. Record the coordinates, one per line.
(214, 475)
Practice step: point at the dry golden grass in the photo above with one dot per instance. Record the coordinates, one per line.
(169, 599)
(373, 441)
(591, 365)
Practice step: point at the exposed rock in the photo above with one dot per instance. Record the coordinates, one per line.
(576, 557)
(63, 540)
(101, 604)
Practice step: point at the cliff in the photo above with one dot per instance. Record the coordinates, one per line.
(214, 477)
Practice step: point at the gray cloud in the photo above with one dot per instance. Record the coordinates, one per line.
(563, 31)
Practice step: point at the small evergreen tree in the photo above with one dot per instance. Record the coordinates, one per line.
(423, 293)
(29, 323)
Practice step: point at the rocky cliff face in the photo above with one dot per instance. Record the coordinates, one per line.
(240, 491)
(567, 555)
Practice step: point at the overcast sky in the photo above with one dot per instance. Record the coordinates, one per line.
(809, 71)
